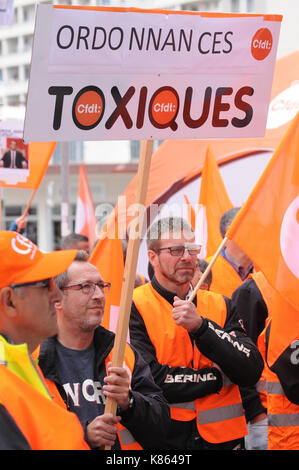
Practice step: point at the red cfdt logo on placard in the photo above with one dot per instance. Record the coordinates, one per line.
(88, 107)
(164, 107)
(261, 44)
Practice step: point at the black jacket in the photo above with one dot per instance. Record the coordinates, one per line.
(236, 355)
(286, 367)
(148, 420)
(11, 437)
(247, 302)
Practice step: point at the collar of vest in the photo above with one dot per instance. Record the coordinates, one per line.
(10, 352)
(18, 360)
(168, 295)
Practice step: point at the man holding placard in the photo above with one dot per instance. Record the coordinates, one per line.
(78, 360)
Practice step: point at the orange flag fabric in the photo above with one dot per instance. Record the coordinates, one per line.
(212, 203)
(214, 199)
(267, 228)
(191, 212)
(86, 222)
(39, 155)
(107, 256)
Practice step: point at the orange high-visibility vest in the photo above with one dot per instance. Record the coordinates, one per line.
(261, 386)
(283, 415)
(265, 288)
(267, 293)
(45, 425)
(220, 417)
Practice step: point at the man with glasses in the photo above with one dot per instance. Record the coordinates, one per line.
(187, 343)
(78, 361)
(29, 417)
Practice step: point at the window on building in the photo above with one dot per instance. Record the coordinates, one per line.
(75, 153)
(250, 5)
(28, 43)
(134, 149)
(13, 100)
(26, 71)
(235, 6)
(13, 73)
(12, 45)
(56, 224)
(29, 13)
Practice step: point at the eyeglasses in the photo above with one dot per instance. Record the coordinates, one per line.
(179, 250)
(48, 283)
(89, 288)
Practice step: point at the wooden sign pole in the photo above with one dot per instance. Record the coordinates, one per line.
(130, 268)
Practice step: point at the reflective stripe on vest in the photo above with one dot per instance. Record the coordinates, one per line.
(261, 386)
(174, 348)
(283, 416)
(274, 388)
(221, 414)
(283, 420)
(187, 405)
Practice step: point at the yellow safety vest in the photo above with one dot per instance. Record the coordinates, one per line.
(45, 425)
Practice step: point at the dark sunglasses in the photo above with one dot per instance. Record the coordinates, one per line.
(48, 283)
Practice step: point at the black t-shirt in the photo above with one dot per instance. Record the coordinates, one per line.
(75, 370)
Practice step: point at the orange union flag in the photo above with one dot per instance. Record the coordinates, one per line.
(212, 203)
(214, 199)
(86, 221)
(267, 229)
(267, 226)
(107, 256)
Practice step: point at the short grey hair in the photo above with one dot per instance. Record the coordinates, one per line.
(62, 279)
(70, 241)
(162, 228)
(226, 220)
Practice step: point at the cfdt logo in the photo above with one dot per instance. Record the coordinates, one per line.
(164, 107)
(261, 44)
(88, 107)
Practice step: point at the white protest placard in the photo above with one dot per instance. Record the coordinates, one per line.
(121, 74)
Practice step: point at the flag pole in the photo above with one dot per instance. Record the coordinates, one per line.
(130, 267)
(209, 267)
(29, 203)
(25, 213)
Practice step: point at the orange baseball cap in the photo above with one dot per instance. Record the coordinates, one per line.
(22, 261)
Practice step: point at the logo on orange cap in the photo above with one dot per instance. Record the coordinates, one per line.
(23, 246)
(23, 262)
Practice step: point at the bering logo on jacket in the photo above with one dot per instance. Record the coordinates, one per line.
(183, 378)
(228, 337)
